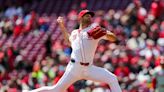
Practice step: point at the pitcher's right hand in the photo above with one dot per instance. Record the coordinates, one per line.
(60, 20)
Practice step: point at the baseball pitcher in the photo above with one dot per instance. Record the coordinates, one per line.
(84, 42)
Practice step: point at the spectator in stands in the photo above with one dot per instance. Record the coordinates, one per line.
(158, 78)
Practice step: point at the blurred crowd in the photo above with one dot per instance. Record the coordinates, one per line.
(137, 58)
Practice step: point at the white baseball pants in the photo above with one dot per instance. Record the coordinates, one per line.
(75, 72)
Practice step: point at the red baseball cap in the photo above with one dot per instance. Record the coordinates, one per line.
(83, 12)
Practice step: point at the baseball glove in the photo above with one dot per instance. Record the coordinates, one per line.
(97, 32)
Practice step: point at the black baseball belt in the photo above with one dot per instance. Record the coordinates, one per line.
(81, 63)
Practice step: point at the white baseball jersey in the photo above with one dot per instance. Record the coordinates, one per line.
(83, 47)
